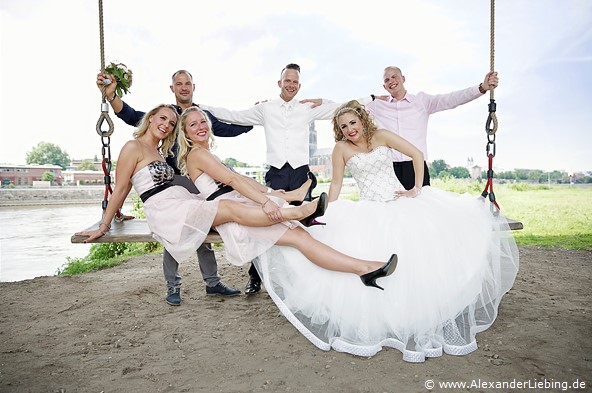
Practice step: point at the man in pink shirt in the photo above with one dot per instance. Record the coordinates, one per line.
(407, 115)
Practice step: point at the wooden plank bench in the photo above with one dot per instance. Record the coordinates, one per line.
(136, 230)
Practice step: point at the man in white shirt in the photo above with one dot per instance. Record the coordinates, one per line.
(286, 123)
(407, 115)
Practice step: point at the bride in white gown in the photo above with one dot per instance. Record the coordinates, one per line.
(456, 258)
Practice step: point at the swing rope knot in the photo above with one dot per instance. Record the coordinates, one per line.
(104, 117)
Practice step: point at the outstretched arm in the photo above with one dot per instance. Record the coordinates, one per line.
(248, 117)
(222, 129)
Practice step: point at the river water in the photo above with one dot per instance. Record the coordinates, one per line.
(35, 240)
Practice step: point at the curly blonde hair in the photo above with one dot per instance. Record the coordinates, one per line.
(186, 144)
(360, 111)
(166, 146)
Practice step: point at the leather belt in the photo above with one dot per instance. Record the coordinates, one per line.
(220, 191)
(153, 191)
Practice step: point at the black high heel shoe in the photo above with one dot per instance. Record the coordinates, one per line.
(321, 208)
(308, 197)
(369, 279)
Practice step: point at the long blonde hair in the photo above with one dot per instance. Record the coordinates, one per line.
(186, 144)
(166, 145)
(360, 111)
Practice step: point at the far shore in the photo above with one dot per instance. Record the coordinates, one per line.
(55, 195)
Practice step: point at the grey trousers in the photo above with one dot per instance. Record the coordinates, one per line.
(207, 266)
(205, 254)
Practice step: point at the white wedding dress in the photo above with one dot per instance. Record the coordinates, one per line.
(456, 261)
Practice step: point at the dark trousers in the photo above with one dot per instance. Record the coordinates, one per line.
(285, 178)
(406, 174)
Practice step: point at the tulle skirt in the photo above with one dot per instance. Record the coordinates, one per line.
(456, 261)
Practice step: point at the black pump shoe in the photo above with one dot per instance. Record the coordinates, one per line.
(308, 197)
(321, 208)
(369, 279)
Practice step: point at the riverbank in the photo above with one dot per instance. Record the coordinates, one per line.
(53, 195)
(111, 331)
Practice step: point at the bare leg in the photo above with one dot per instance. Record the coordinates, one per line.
(294, 195)
(254, 216)
(324, 256)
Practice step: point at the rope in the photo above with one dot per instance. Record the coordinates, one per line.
(491, 123)
(105, 134)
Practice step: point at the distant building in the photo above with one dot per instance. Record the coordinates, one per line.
(74, 164)
(81, 178)
(25, 175)
(474, 170)
(255, 173)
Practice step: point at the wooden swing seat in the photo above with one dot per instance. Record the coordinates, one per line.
(136, 230)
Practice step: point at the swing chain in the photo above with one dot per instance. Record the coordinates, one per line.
(491, 126)
(106, 163)
(105, 135)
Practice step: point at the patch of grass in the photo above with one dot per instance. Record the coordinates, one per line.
(106, 255)
(556, 216)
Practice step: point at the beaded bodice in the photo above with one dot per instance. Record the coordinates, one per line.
(374, 174)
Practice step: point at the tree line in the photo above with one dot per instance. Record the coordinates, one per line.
(440, 170)
(48, 153)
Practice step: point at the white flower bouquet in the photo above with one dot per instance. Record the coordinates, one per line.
(123, 76)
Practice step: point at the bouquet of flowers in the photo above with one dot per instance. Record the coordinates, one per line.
(123, 76)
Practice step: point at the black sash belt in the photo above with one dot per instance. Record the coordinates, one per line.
(220, 191)
(153, 191)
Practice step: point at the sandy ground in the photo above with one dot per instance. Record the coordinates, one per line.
(111, 331)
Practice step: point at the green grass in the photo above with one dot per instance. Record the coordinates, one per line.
(106, 255)
(555, 216)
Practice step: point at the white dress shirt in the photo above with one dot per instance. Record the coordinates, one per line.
(286, 126)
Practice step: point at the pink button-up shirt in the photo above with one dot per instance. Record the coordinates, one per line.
(408, 117)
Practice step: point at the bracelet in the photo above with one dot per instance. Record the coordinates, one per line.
(265, 203)
(481, 89)
(417, 190)
(114, 96)
(108, 226)
(373, 97)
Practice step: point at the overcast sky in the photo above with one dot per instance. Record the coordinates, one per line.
(50, 55)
